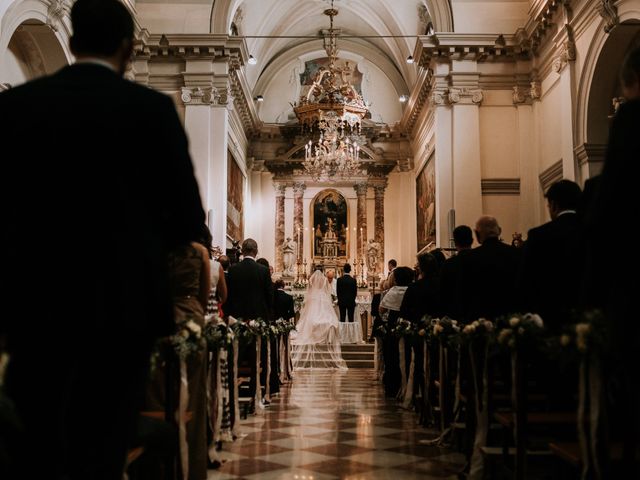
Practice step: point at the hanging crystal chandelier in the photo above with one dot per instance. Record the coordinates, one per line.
(333, 108)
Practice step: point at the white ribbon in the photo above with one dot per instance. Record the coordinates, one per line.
(267, 393)
(403, 369)
(236, 390)
(378, 360)
(408, 396)
(258, 396)
(284, 374)
(476, 469)
(182, 419)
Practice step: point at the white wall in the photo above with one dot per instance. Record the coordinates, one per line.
(471, 16)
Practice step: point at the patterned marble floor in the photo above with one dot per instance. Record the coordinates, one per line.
(327, 425)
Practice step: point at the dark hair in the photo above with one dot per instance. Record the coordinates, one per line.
(428, 265)
(393, 263)
(224, 261)
(263, 261)
(206, 239)
(463, 236)
(403, 276)
(346, 268)
(100, 26)
(630, 72)
(279, 283)
(439, 256)
(565, 194)
(249, 247)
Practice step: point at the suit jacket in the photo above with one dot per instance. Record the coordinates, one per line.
(250, 291)
(347, 291)
(97, 186)
(450, 278)
(420, 299)
(284, 307)
(552, 267)
(488, 276)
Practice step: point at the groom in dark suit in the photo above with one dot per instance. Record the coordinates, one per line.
(98, 169)
(250, 297)
(347, 290)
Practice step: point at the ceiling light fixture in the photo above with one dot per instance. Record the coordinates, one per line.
(259, 98)
(252, 60)
(409, 59)
(403, 98)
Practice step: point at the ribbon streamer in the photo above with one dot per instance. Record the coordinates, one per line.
(182, 419)
(408, 395)
(403, 369)
(476, 470)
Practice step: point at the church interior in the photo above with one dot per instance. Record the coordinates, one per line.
(338, 132)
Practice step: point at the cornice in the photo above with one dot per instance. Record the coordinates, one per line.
(190, 45)
(551, 175)
(500, 186)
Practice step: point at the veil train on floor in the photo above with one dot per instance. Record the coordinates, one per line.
(315, 344)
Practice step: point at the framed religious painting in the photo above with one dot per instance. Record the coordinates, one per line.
(330, 224)
(235, 199)
(426, 203)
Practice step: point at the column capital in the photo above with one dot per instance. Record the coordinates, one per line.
(299, 188)
(465, 96)
(566, 54)
(198, 95)
(281, 188)
(379, 189)
(361, 188)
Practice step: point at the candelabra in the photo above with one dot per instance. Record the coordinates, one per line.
(298, 271)
(362, 271)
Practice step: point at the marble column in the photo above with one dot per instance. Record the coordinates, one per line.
(361, 193)
(379, 224)
(281, 188)
(298, 220)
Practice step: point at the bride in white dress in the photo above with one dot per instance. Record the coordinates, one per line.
(316, 341)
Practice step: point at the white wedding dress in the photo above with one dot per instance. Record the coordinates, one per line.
(316, 341)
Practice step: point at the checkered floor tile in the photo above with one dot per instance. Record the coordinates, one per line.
(327, 426)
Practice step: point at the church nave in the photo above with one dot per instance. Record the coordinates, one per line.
(327, 425)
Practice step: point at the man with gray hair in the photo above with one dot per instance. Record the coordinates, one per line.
(488, 274)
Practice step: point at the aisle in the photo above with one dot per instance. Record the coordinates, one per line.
(334, 425)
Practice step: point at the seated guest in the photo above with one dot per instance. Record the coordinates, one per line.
(551, 269)
(488, 275)
(390, 310)
(422, 296)
(450, 273)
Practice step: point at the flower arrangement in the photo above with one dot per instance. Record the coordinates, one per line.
(299, 285)
(298, 301)
(478, 329)
(403, 328)
(251, 329)
(362, 283)
(588, 334)
(217, 335)
(445, 330)
(283, 327)
(188, 339)
(519, 330)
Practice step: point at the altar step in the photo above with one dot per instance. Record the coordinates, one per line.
(359, 355)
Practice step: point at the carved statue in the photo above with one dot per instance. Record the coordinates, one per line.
(289, 256)
(373, 253)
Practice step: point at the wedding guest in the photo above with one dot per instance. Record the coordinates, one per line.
(390, 310)
(250, 297)
(274, 382)
(609, 285)
(488, 274)
(284, 306)
(391, 265)
(440, 257)
(332, 282)
(552, 263)
(96, 188)
(450, 275)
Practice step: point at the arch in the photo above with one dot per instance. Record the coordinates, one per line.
(598, 82)
(43, 38)
(441, 14)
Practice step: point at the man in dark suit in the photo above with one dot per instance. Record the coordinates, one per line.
(552, 260)
(612, 283)
(250, 297)
(97, 169)
(450, 272)
(347, 291)
(488, 274)
(284, 307)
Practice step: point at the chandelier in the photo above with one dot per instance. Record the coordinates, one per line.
(334, 109)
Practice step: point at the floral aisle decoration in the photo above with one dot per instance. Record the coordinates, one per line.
(282, 327)
(249, 330)
(445, 330)
(588, 334)
(299, 285)
(521, 330)
(188, 339)
(218, 335)
(298, 301)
